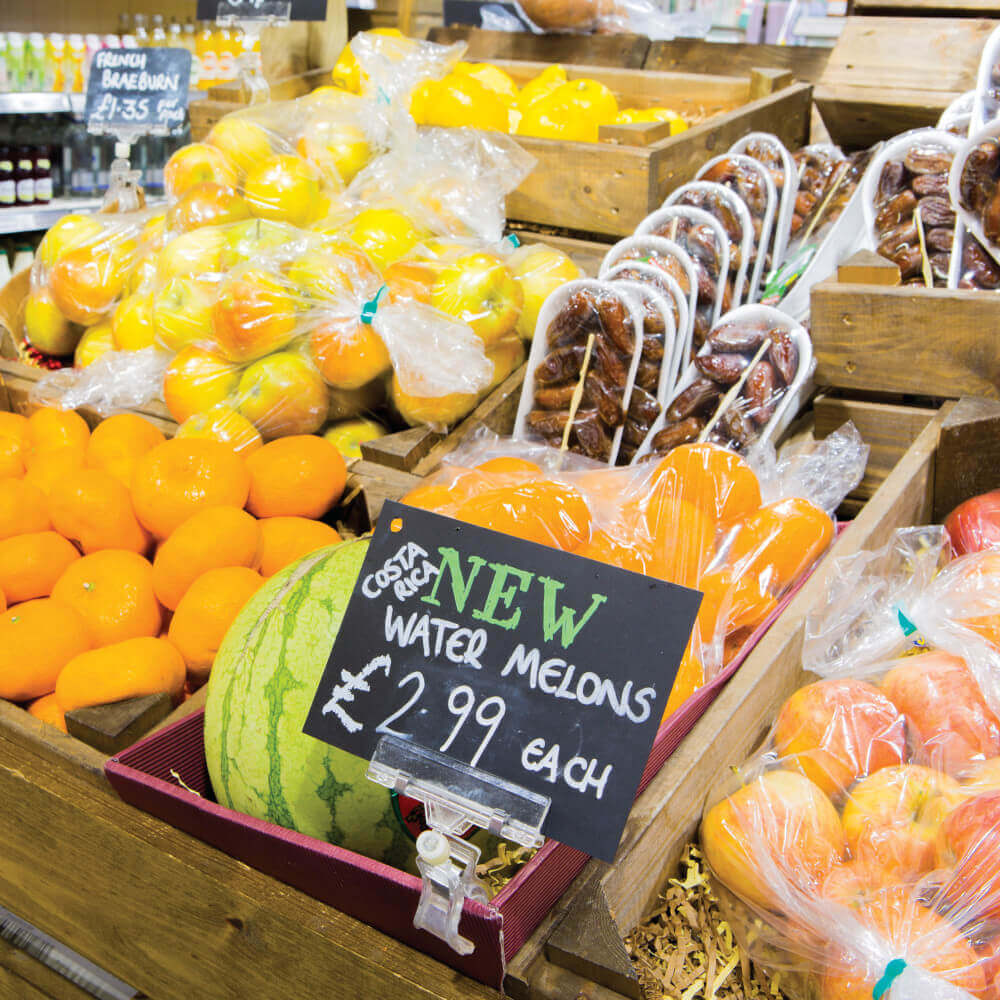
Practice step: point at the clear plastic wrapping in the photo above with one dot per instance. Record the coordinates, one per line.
(746, 383)
(770, 151)
(734, 217)
(856, 851)
(974, 186)
(908, 207)
(583, 362)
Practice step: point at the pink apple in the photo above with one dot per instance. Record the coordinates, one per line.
(975, 525)
(970, 845)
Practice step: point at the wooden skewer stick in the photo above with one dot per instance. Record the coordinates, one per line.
(841, 174)
(734, 390)
(673, 227)
(924, 259)
(574, 403)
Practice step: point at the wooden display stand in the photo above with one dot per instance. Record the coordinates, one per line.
(890, 74)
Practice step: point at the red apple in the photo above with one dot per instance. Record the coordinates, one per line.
(975, 525)
(836, 731)
(892, 818)
(253, 315)
(206, 204)
(479, 290)
(852, 882)
(283, 394)
(970, 845)
(910, 931)
(983, 776)
(946, 711)
(778, 834)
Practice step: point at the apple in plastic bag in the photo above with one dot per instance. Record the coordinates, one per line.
(197, 163)
(975, 525)
(196, 252)
(284, 189)
(836, 731)
(95, 342)
(86, 281)
(244, 142)
(777, 835)
(253, 315)
(539, 270)
(479, 290)
(892, 818)
(69, 232)
(46, 327)
(946, 710)
(132, 323)
(182, 313)
(206, 204)
(347, 437)
(339, 148)
(283, 394)
(246, 241)
(197, 380)
(970, 845)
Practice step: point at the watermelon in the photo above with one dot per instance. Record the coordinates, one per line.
(261, 687)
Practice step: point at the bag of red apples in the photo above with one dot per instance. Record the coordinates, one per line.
(857, 854)
(702, 517)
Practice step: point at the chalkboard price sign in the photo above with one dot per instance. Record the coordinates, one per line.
(546, 669)
(145, 90)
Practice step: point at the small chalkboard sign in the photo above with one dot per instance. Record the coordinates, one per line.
(546, 669)
(297, 10)
(145, 90)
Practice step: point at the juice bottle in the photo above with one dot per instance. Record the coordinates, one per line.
(224, 54)
(24, 176)
(124, 24)
(209, 63)
(15, 61)
(175, 34)
(34, 62)
(4, 79)
(55, 54)
(158, 37)
(189, 42)
(141, 32)
(8, 186)
(43, 175)
(76, 71)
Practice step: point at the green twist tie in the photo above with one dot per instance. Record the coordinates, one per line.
(369, 309)
(513, 240)
(892, 972)
(905, 624)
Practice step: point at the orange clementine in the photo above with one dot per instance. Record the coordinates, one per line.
(50, 429)
(297, 476)
(129, 669)
(113, 592)
(51, 467)
(348, 353)
(37, 639)
(117, 444)
(205, 613)
(714, 479)
(285, 539)
(690, 677)
(22, 508)
(213, 537)
(509, 469)
(436, 497)
(13, 434)
(184, 475)
(682, 540)
(223, 423)
(94, 509)
(47, 709)
(31, 564)
(630, 554)
(780, 541)
(543, 511)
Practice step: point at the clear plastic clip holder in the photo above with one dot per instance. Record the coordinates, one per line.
(456, 798)
(252, 17)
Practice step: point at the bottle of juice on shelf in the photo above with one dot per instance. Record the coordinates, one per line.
(92, 44)
(15, 61)
(124, 24)
(205, 50)
(225, 54)
(4, 80)
(158, 36)
(43, 175)
(175, 34)
(141, 32)
(75, 68)
(8, 186)
(190, 42)
(24, 176)
(55, 54)
(34, 62)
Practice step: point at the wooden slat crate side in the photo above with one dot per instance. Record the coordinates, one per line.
(888, 428)
(625, 50)
(695, 55)
(927, 8)
(931, 342)
(889, 74)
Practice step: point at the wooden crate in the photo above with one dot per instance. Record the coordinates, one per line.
(955, 456)
(696, 55)
(889, 74)
(177, 919)
(928, 8)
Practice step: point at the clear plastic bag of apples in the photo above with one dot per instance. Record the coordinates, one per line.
(858, 851)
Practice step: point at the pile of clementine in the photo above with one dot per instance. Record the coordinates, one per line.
(125, 557)
(696, 519)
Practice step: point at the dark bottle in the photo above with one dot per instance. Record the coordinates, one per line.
(43, 176)
(24, 175)
(8, 186)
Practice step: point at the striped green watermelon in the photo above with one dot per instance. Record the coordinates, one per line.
(262, 684)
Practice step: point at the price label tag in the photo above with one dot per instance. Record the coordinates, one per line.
(301, 10)
(145, 90)
(546, 669)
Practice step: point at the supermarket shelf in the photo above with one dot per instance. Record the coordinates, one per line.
(41, 104)
(33, 218)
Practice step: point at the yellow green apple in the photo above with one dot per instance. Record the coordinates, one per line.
(244, 142)
(347, 437)
(95, 342)
(340, 149)
(196, 380)
(47, 328)
(197, 252)
(206, 204)
(384, 234)
(182, 312)
(284, 189)
(69, 232)
(132, 323)
(283, 394)
(539, 270)
(479, 290)
(195, 164)
(245, 241)
(223, 423)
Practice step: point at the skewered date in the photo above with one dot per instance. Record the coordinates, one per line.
(738, 336)
(677, 434)
(935, 211)
(737, 427)
(891, 181)
(722, 368)
(896, 210)
(979, 176)
(560, 364)
(783, 355)
(760, 392)
(980, 269)
(927, 160)
(939, 239)
(930, 184)
(696, 398)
